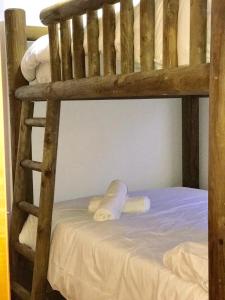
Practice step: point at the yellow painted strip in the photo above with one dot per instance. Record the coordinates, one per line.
(4, 265)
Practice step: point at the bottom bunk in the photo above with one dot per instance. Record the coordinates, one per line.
(130, 258)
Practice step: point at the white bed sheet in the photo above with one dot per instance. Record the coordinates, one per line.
(121, 260)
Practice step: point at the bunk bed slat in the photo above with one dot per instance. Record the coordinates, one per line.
(92, 42)
(78, 48)
(54, 52)
(39, 282)
(190, 80)
(217, 154)
(170, 18)
(127, 36)
(65, 40)
(109, 51)
(15, 26)
(190, 105)
(198, 30)
(147, 34)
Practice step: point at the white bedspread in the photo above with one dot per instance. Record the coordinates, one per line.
(121, 260)
(36, 55)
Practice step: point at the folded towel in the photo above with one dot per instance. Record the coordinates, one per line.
(112, 205)
(190, 262)
(138, 204)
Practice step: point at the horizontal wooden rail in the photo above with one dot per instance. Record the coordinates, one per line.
(66, 9)
(34, 32)
(29, 208)
(24, 250)
(175, 82)
(35, 122)
(33, 165)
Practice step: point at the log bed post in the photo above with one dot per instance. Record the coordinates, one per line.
(15, 28)
(190, 104)
(217, 154)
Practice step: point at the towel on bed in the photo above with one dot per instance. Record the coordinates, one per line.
(139, 204)
(190, 262)
(112, 205)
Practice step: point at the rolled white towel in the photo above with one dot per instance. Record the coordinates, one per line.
(112, 205)
(138, 204)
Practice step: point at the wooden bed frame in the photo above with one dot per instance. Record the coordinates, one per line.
(190, 82)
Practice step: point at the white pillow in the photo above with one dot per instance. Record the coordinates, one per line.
(37, 53)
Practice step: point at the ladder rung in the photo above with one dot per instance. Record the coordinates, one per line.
(36, 122)
(30, 164)
(24, 250)
(20, 291)
(29, 208)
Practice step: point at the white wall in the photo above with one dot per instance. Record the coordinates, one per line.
(138, 141)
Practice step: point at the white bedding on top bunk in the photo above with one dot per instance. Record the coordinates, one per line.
(123, 259)
(35, 63)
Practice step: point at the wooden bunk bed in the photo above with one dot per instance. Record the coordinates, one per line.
(189, 82)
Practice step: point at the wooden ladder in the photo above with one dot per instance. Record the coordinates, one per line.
(22, 205)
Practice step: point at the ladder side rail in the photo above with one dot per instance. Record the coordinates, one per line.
(39, 282)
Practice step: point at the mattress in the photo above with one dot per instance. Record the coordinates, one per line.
(35, 64)
(123, 259)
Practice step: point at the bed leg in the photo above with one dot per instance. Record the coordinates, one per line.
(190, 141)
(217, 154)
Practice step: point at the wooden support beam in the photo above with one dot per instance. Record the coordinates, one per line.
(34, 32)
(109, 51)
(190, 141)
(67, 72)
(67, 9)
(15, 28)
(78, 48)
(175, 82)
(217, 155)
(92, 42)
(190, 105)
(170, 18)
(127, 36)
(147, 34)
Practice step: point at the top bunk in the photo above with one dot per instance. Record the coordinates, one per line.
(77, 77)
